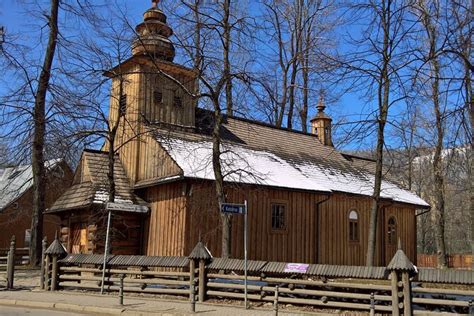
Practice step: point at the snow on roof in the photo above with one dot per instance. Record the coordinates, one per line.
(239, 164)
(14, 181)
(244, 165)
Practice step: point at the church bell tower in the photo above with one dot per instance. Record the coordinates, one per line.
(156, 89)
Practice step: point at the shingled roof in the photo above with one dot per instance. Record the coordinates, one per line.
(90, 184)
(257, 153)
(15, 181)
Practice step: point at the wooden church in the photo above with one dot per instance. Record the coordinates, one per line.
(307, 201)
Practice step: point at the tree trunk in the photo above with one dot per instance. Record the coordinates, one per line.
(437, 212)
(305, 70)
(37, 159)
(296, 49)
(438, 208)
(219, 183)
(227, 72)
(383, 102)
(197, 37)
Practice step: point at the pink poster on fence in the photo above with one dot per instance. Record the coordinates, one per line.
(296, 267)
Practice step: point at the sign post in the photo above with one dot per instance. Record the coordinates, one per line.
(232, 208)
(245, 254)
(106, 250)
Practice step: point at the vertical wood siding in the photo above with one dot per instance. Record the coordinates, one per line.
(166, 229)
(299, 242)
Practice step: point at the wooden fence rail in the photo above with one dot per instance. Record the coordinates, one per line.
(395, 289)
(456, 261)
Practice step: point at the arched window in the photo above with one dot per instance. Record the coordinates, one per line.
(353, 226)
(392, 231)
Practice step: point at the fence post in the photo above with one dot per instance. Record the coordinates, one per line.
(54, 273)
(275, 301)
(192, 284)
(122, 276)
(202, 254)
(44, 245)
(47, 272)
(55, 252)
(202, 280)
(394, 277)
(407, 294)
(192, 293)
(11, 263)
(401, 269)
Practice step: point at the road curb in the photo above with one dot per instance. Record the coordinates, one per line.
(86, 309)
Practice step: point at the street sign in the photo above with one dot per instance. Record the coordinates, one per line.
(126, 207)
(232, 208)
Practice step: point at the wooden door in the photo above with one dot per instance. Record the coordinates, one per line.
(78, 238)
(390, 237)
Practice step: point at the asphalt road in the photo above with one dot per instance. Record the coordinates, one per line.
(20, 311)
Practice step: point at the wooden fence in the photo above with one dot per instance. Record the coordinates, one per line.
(459, 261)
(9, 258)
(394, 289)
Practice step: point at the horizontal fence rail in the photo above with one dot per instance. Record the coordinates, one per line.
(21, 257)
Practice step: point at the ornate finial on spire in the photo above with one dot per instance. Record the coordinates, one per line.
(399, 244)
(321, 105)
(153, 35)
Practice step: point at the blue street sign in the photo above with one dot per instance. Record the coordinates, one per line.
(231, 208)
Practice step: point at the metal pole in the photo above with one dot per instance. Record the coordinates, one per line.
(106, 250)
(245, 255)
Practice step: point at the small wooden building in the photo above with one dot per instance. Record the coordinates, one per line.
(82, 212)
(307, 201)
(16, 199)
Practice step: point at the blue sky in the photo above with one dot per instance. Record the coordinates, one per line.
(350, 106)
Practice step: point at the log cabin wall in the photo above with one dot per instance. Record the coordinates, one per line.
(84, 232)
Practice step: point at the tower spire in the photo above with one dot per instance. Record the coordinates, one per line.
(321, 123)
(153, 35)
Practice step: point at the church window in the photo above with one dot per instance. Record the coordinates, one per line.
(392, 231)
(157, 97)
(353, 226)
(278, 216)
(123, 104)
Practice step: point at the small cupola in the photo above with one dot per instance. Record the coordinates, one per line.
(153, 35)
(321, 124)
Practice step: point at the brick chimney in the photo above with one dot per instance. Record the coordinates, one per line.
(321, 124)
